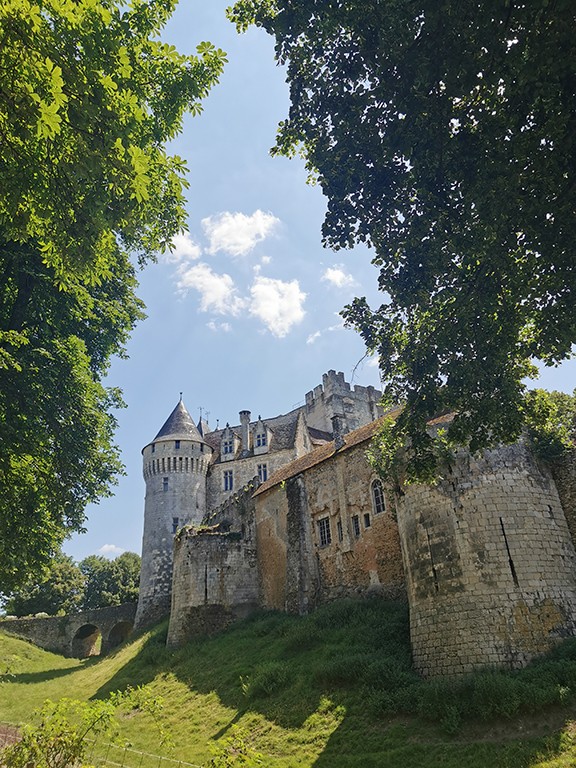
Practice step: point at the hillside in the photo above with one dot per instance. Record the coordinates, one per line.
(332, 690)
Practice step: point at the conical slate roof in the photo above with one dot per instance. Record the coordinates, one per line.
(179, 426)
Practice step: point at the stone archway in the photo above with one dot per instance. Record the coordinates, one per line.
(119, 633)
(87, 642)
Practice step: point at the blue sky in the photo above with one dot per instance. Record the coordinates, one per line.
(244, 313)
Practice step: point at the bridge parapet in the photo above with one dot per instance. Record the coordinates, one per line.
(77, 635)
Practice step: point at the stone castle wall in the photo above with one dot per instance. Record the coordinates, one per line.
(335, 397)
(215, 571)
(298, 571)
(489, 562)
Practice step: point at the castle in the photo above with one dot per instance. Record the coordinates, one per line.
(286, 513)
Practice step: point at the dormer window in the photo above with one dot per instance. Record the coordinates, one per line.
(261, 440)
(228, 446)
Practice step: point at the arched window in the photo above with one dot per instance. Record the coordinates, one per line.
(378, 497)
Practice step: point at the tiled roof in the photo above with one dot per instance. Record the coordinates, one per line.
(322, 453)
(283, 430)
(179, 426)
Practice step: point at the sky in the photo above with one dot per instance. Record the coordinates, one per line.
(243, 314)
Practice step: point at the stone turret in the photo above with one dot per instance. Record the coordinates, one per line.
(175, 465)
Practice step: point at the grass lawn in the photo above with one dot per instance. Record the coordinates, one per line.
(331, 690)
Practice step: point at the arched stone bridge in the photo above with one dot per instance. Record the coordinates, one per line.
(79, 635)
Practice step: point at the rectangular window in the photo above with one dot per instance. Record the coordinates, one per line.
(378, 497)
(262, 472)
(176, 444)
(164, 483)
(153, 447)
(366, 520)
(227, 446)
(356, 525)
(324, 531)
(228, 480)
(261, 440)
(175, 524)
(339, 529)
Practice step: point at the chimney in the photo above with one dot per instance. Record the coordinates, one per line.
(245, 424)
(337, 431)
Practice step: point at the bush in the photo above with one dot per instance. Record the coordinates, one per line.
(268, 679)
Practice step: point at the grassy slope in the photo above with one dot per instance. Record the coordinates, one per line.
(306, 692)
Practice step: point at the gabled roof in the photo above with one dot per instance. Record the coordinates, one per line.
(283, 429)
(179, 426)
(324, 452)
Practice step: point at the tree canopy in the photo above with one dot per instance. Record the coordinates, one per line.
(110, 582)
(59, 590)
(89, 96)
(444, 136)
(67, 587)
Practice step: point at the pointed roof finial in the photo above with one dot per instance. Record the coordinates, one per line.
(179, 425)
(180, 396)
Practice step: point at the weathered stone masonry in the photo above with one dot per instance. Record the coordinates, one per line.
(489, 562)
(484, 557)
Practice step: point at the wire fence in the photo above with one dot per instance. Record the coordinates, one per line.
(106, 754)
(128, 757)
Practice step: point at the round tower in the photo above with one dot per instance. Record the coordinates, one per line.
(175, 465)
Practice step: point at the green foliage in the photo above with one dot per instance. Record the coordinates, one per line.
(66, 729)
(61, 590)
(266, 680)
(234, 751)
(551, 420)
(110, 582)
(442, 135)
(89, 97)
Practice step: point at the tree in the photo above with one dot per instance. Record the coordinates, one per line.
(59, 591)
(444, 136)
(67, 587)
(89, 97)
(110, 582)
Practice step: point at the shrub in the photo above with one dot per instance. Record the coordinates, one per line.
(267, 679)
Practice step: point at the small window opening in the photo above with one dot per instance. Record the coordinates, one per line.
(177, 444)
(367, 520)
(324, 531)
(262, 472)
(228, 480)
(164, 483)
(175, 524)
(340, 531)
(356, 525)
(378, 497)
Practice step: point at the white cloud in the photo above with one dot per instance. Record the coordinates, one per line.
(183, 249)
(217, 292)
(339, 326)
(110, 550)
(278, 304)
(237, 233)
(266, 259)
(373, 361)
(338, 277)
(213, 326)
(313, 336)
